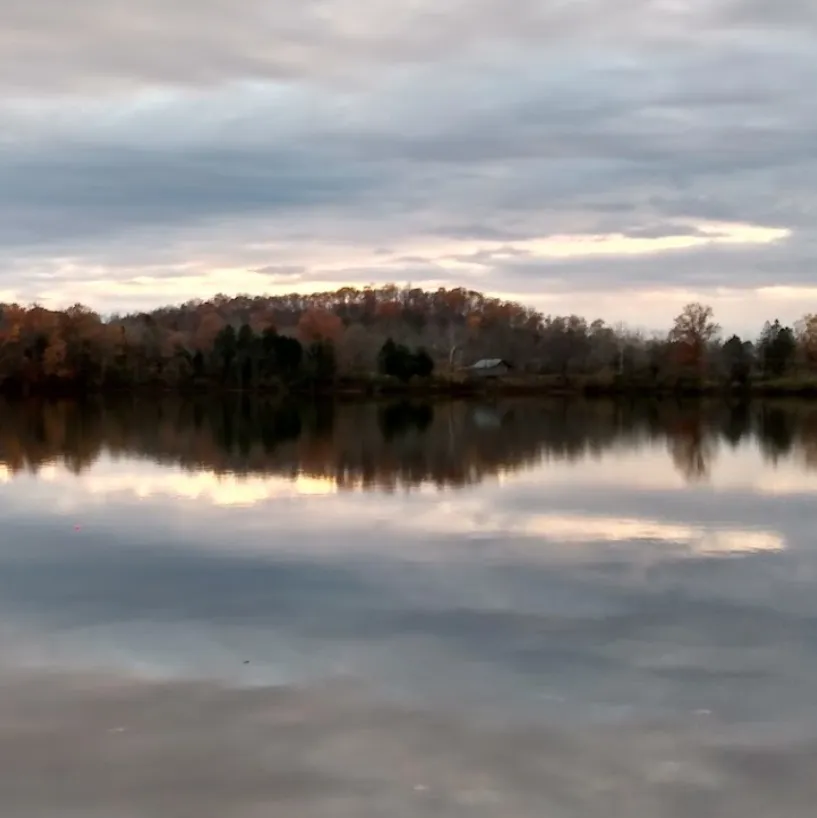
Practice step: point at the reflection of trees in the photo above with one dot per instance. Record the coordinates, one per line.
(777, 430)
(782, 429)
(395, 445)
(402, 418)
(692, 447)
(736, 424)
(808, 440)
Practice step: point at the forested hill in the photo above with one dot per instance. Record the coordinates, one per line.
(358, 321)
(260, 341)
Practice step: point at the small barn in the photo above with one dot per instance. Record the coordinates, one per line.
(489, 368)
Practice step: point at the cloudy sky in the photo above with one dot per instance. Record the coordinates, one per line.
(578, 155)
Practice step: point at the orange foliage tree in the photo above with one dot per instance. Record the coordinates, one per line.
(319, 325)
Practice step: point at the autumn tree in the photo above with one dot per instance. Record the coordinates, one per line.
(692, 331)
(356, 350)
(208, 326)
(806, 332)
(233, 341)
(319, 325)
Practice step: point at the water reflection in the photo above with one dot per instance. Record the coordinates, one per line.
(635, 585)
(394, 445)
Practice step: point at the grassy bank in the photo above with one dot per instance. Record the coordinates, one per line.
(377, 386)
(587, 386)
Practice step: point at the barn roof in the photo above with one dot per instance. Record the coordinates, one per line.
(488, 363)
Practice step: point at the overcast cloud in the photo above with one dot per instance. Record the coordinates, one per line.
(576, 155)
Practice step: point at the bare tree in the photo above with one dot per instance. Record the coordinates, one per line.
(692, 331)
(806, 332)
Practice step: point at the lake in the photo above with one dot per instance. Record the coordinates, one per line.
(519, 608)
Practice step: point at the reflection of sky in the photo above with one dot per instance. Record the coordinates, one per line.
(602, 583)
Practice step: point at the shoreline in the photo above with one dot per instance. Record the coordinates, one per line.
(375, 388)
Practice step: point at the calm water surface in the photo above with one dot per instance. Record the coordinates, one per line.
(514, 608)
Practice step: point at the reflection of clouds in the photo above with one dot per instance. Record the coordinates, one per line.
(108, 479)
(572, 577)
(219, 490)
(785, 481)
(650, 468)
(50, 472)
(699, 540)
(541, 515)
(591, 529)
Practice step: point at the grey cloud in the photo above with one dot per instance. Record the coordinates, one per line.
(589, 131)
(660, 231)
(492, 257)
(282, 271)
(757, 12)
(420, 273)
(71, 193)
(479, 231)
(705, 268)
(45, 44)
(555, 119)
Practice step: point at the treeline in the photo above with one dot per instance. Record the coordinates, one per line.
(303, 342)
(401, 444)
